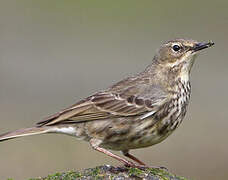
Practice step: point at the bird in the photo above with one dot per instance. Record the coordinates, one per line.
(139, 111)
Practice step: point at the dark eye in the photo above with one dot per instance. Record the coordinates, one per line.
(176, 47)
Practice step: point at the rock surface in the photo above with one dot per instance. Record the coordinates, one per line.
(114, 173)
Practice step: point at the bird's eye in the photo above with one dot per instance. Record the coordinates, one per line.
(176, 47)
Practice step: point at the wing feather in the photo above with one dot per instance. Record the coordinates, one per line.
(134, 100)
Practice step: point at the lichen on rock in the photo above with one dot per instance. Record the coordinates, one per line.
(114, 173)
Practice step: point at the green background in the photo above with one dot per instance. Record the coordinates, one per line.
(53, 53)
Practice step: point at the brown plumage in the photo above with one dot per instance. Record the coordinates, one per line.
(136, 112)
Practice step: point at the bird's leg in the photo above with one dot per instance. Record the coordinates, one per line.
(141, 165)
(95, 145)
(127, 154)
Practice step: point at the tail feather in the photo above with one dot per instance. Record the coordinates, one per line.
(24, 132)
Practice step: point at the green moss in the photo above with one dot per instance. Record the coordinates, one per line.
(95, 171)
(61, 176)
(110, 172)
(91, 172)
(135, 172)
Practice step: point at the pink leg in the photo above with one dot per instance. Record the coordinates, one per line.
(122, 160)
(141, 165)
(127, 154)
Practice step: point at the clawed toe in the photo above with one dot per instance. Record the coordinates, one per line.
(163, 168)
(143, 167)
(157, 167)
(132, 165)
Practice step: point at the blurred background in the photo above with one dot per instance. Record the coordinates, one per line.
(53, 53)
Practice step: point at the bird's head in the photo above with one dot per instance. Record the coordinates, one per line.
(179, 54)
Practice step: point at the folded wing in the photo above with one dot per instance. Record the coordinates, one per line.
(118, 101)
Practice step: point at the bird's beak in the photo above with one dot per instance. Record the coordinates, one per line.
(200, 46)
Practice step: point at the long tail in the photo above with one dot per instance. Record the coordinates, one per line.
(25, 132)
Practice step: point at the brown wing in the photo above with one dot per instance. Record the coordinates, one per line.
(118, 101)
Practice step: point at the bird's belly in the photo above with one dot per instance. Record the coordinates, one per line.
(130, 133)
(140, 135)
(144, 133)
(135, 142)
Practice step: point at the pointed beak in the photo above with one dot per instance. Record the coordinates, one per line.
(200, 46)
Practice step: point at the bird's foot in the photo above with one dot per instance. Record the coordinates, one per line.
(143, 167)
(158, 167)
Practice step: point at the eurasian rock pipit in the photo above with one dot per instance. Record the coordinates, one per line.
(139, 111)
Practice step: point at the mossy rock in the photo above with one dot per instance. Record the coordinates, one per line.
(114, 173)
